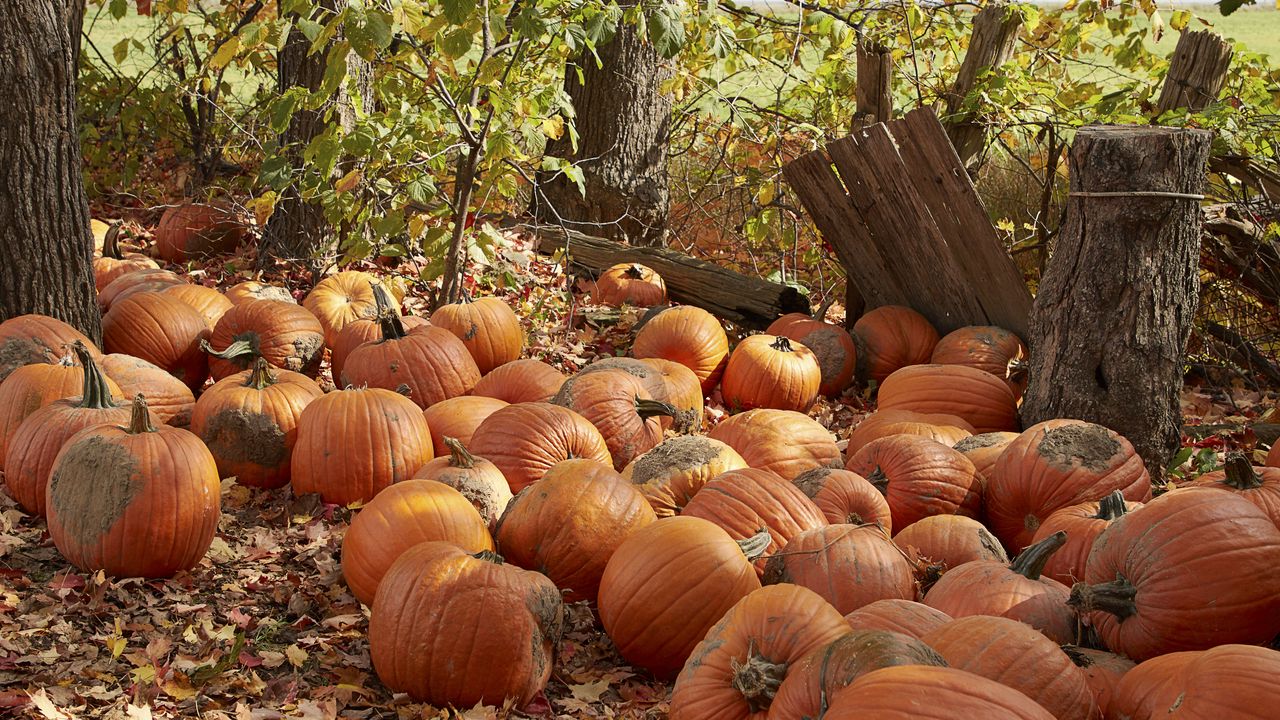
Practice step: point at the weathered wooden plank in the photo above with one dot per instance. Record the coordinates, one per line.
(742, 299)
(991, 44)
(990, 273)
(873, 96)
(1197, 72)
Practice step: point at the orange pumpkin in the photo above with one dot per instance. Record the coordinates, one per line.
(682, 391)
(630, 283)
(162, 330)
(1273, 455)
(168, 398)
(479, 480)
(521, 381)
(194, 230)
(347, 462)
(150, 280)
(831, 345)
(946, 429)
(287, 335)
(569, 523)
(902, 616)
(31, 387)
(429, 361)
(892, 337)
(1083, 524)
(845, 497)
(1102, 671)
(343, 298)
(487, 327)
(1260, 486)
(622, 410)
(1229, 681)
(924, 692)
(28, 339)
(207, 301)
(987, 348)
(514, 618)
(984, 449)
(133, 500)
(113, 263)
(249, 421)
(943, 542)
(980, 399)
(458, 417)
(403, 515)
(688, 335)
(525, 439)
(781, 441)
(670, 474)
(254, 290)
(848, 565)
(765, 371)
(357, 333)
(919, 477)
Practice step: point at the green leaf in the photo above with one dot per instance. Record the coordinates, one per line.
(666, 30)
(282, 111)
(119, 8)
(458, 11)
(455, 43)
(1229, 6)
(310, 29)
(420, 189)
(121, 51)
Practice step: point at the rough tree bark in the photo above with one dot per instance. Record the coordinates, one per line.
(623, 121)
(1111, 321)
(991, 44)
(46, 247)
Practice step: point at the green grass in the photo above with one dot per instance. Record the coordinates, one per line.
(1257, 28)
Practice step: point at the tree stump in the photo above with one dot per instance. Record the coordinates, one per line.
(1110, 323)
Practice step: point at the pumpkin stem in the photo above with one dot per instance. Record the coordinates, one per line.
(489, 556)
(1077, 657)
(1017, 370)
(1240, 473)
(404, 389)
(261, 377)
(1111, 506)
(1032, 560)
(754, 546)
(1114, 597)
(879, 480)
(653, 408)
(635, 272)
(782, 344)
(458, 455)
(95, 393)
(391, 325)
(140, 418)
(111, 242)
(757, 678)
(235, 351)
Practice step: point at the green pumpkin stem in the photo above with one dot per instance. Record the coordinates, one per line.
(1111, 506)
(754, 546)
(489, 556)
(654, 408)
(459, 457)
(1030, 564)
(757, 678)
(140, 418)
(95, 393)
(1240, 474)
(1116, 597)
(237, 350)
(261, 377)
(782, 344)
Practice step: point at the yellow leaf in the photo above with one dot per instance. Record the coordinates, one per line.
(297, 656)
(765, 194)
(116, 645)
(553, 127)
(225, 54)
(263, 207)
(348, 181)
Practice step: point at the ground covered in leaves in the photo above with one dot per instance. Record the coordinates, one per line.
(265, 627)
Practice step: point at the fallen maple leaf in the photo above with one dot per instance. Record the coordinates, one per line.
(47, 709)
(590, 692)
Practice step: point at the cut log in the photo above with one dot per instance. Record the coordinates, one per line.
(742, 299)
(991, 44)
(1197, 72)
(1111, 320)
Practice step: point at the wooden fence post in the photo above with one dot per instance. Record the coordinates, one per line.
(1110, 323)
(874, 97)
(1197, 72)
(991, 44)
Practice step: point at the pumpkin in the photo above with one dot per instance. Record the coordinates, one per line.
(1229, 681)
(892, 337)
(737, 669)
(133, 500)
(1016, 656)
(253, 290)
(249, 421)
(1258, 485)
(848, 565)
(345, 297)
(31, 387)
(984, 449)
(901, 616)
(162, 330)
(401, 516)
(925, 692)
(1273, 455)
(682, 391)
(207, 301)
(487, 327)
(655, 383)
(765, 371)
(620, 408)
(152, 280)
(1057, 464)
(444, 610)
(845, 497)
(831, 345)
(479, 480)
(168, 398)
(990, 349)
(919, 477)
(630, 284)
(286, 334)
(946, 429)
(810, 684)
(34, 444)
(1102, 671)
(194, 230)
(943, 542)
(357, 333)
(525, 439)
(1082, 523)
(348, 461)
(429, 362)
(1194, 568)
(688, 335)
(781, 441)
(745, 501)
(115, 263)
(29, 339)
(521, 381)
(1013, 590)
(667, 584)
(570, 522)
(670, 474)
(458, 417)
(982, 400)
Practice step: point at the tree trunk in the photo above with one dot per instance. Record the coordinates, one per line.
(46, 255)
(991, 44)
(1115, 307)
(623, 120)
(298, 229)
